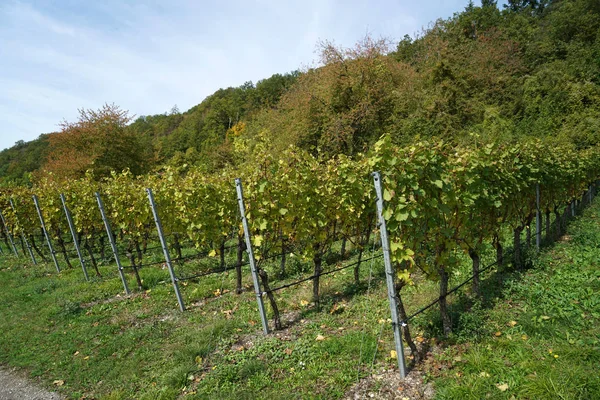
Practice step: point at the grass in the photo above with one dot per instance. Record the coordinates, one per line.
(86, 340)
(96, 343)
(540, 338)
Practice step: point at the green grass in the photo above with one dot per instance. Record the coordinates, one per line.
(105, 345)
(108, 346)
(540, 339)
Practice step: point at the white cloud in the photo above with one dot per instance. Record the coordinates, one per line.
(148, 55)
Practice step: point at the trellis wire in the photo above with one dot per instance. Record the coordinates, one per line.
(319, 275)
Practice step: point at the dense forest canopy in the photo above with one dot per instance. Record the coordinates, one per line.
(489, 73)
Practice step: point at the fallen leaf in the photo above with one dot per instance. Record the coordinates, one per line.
(303, 303)
(288, 351)
(320, 338)
(393, 354)
(484, 374)
(77, 352)
(497, 334)
(524, 337)
(59, 382)
(502, 387)
(512, 323)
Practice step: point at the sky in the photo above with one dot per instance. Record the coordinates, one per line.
(57, 56)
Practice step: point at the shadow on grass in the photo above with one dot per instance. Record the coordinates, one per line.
(468, 313)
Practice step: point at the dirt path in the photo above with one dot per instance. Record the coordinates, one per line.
(15, 387)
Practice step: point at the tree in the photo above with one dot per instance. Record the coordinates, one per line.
(98, 141)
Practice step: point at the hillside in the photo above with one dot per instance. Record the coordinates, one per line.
(533, 334)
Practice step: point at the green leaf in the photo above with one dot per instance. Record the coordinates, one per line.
(401, 216)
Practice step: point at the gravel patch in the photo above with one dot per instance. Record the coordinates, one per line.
(15, 387)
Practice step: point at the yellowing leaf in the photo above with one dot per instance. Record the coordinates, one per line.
(320, 338)
(257, 240)
(393, 354)
(283, 211)
(387, 195)
(498, 334)
(512, 323)
(212, 253)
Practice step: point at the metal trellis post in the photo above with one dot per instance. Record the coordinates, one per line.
(259, 299)
(10, 238)
(23, 237)
(538, 218)
(48, 242)
(111, 240)
(165, 249)
(389, 277)
(74, 235)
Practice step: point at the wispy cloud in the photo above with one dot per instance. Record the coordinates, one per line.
(148, 55)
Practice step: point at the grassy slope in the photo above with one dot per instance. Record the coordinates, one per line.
(541, 338)
(105, 346)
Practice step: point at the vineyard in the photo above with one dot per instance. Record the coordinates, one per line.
(296, 219)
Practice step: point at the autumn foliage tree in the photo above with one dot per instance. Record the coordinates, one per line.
(98, 141)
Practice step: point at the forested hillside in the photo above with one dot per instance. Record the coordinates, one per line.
(489, 73)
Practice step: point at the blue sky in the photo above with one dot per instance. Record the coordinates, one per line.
(146, 56)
